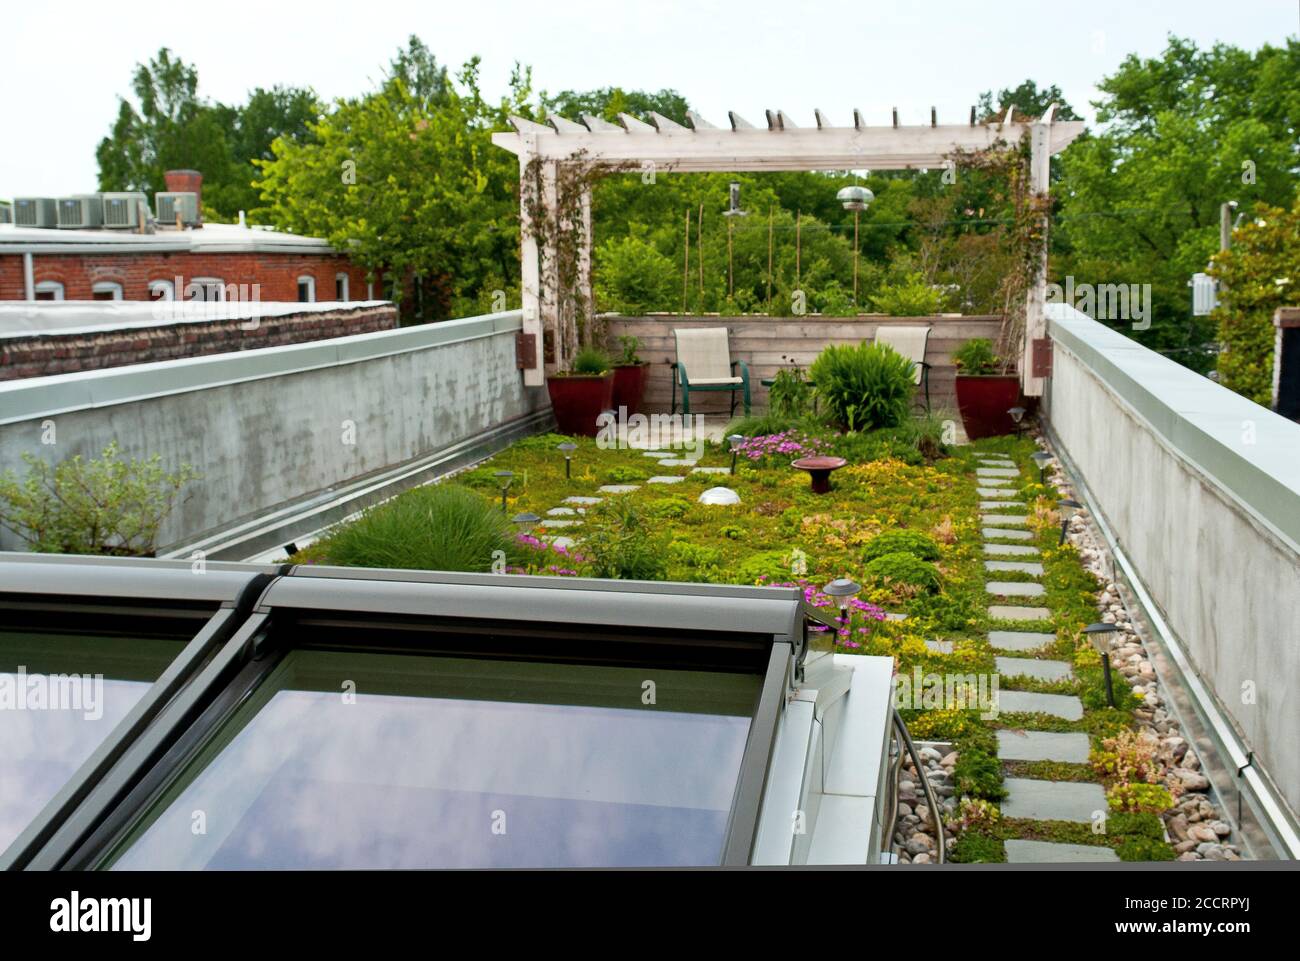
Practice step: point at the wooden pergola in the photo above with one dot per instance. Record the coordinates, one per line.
(664, 146)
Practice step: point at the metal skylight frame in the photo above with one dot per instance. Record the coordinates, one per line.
(727, 629)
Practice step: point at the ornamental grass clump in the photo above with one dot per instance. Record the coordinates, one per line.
(865, 386)
(439, 527)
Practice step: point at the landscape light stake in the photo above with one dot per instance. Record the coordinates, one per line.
(1099, 635)
(1073, 505)
(842, 588)
(568, 448)
(735, 440)
(1042, 459)
(1017, 415)
(526, 521)
(504, 479)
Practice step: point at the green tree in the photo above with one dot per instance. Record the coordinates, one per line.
(1029, 101)
(411, 184)
(1260, 273)
(608, 102)
(1181, 134)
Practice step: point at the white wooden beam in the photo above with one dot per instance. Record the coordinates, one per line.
(634, 125)
(698, 122)
(667, 124)
(858, 122)
(523, 126)
(745, 148)
(738, 122)
(822, 122)
(564, 126)
(784, 122)
(600, 124)
(1010, 116)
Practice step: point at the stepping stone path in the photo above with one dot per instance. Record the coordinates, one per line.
(555, 522)
(1015, 589)
(1050, 852)
(1070, 748)
(562, 541)
(1065, 706)
(560, 512)
(666, 479)
(657, 454)
(1010, 550)
(1020, 567)
(710, 470)
(1052, 800)
(585, 501)
(939, 647)
(1032, 667)
(998, 532)
(677, 462)
(1019, 640)
(619, 488)
(1003, 612)
(1030, 798)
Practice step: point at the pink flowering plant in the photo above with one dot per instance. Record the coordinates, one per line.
(850, 634)
(539, 557)
(786, 445)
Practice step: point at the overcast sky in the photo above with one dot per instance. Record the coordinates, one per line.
(65, 64)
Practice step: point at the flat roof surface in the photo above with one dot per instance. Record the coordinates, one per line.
(210, 238)
(71, 317)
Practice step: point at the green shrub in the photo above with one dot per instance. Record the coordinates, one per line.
(902, 542)
(1142, 824)
(666, 508)
(1140, 798)
(629, 346)
(770, 566)
(975, 848)
(694, 555)
(624, 475)
(903, 568)
(101, 506)
(1145, 849)
(866, 386)
(913, 297)
(618, 542)
(978, 774)
(591, 360)
(976, 358)
(439, 527)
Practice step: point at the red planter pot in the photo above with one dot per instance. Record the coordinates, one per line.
(984, 402)
(629, 387)
(578, 399)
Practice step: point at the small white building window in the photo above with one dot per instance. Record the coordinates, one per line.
(306, 290)
(106, 290)
(341, 287)
(206, 288)
(162, 290)
(49, 290)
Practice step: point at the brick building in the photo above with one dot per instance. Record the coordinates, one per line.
(170, 261)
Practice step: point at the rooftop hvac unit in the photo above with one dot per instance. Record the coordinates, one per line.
(36, 212)
(184, 203)
(123, 209)
(81, 211)
(1205, 295)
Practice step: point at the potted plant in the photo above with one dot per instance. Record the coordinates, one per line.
(985, 389)
(580, 395)
(629, 376)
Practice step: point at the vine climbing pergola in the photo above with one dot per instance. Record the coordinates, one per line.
(558, 161)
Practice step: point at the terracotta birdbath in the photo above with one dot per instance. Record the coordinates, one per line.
(819, 469)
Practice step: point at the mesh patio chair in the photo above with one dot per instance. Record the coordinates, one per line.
(910, 342)
(704, 364)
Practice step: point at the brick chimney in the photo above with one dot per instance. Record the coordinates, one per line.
(185, 181)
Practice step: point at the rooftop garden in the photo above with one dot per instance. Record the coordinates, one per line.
(902, 518)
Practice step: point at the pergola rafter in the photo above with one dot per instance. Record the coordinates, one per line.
(662, 145)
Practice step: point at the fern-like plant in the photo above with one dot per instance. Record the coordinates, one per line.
(866, 386)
